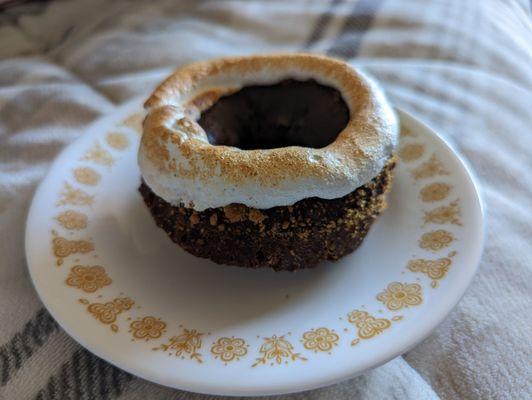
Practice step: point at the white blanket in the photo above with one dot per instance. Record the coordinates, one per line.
(463, 66)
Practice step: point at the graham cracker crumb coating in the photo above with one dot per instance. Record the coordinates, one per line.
(282, 238)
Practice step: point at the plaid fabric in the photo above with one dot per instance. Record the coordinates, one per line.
(464, 66)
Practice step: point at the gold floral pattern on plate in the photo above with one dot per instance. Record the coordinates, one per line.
(433, 192)
(86, 176)
(436, 240)
(401, 295)
(88, 278)
(229, 349)
(72, 220)
(75, 197)
(187, 343)
(320, 339)
(117, 140)
(134, 121)
(411, 152)
(434, 269)
(367, 325)
(432, 167)
(98, 155)
(147, 328)
(407, 132)
(62, 248)
(449, 214)
(107, 313)
(276, 349)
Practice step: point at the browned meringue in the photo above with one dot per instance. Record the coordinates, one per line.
(180, 165)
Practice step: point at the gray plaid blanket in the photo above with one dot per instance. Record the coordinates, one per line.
(463, 66)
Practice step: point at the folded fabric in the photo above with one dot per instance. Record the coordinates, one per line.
(463, 66)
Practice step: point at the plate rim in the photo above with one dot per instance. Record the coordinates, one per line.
(426, 326)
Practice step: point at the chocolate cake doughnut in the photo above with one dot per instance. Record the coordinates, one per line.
(267, 161)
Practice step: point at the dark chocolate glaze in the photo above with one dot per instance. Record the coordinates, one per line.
(289, 113)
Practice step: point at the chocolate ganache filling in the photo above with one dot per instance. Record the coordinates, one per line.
(289, 113)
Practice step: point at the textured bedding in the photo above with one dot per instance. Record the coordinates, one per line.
(462, 66)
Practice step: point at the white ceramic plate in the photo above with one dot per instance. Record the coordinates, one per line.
(121, 288)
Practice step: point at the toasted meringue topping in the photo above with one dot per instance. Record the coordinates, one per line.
(180, 165)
